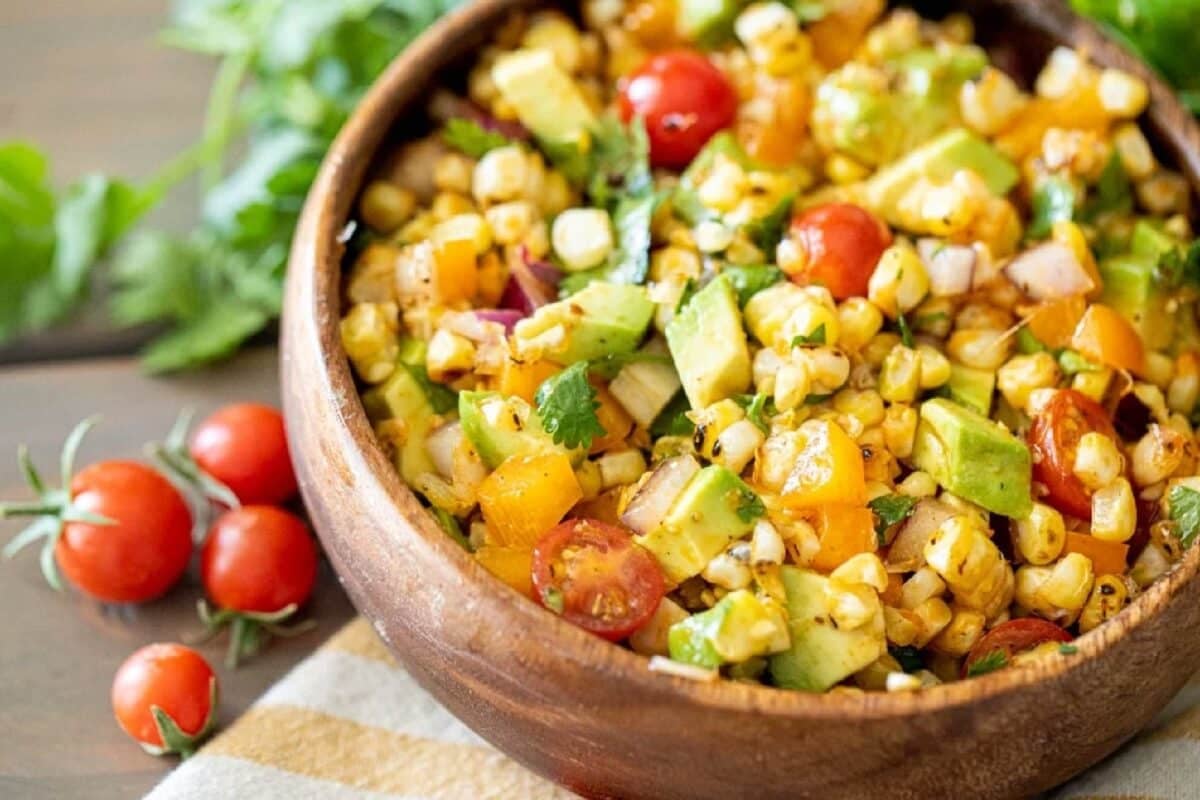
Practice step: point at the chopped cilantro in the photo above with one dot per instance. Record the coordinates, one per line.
(906, 336)
(1072, 363)
(471, 138)
(1053, 201)
(1114, 194)
(817, 337)
(685, 297)
(750, 505)
(1068, 649)
(890, 509)
(748, 281)
(908, 656)
(766, 233)
(1184, 503)
(758, 407)
(997, 659)
(567, 405)
(1179, 267)
(673, 420)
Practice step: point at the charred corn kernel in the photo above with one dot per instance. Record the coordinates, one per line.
(554, 32)
(1151, 565)
(453, 172)
(1098, 462)
(621, 467)
(918, 484)
(1114, 512)
(866, 406)
(1039, 538)
(980, 349)
(537, 241)
(966, 558)
(448, 354)
(501, 175)
(851, 605)
(858, 321)
(370, 338)
(842, 170)
(1122, 94)
(742, 251)
(713, 421)
(1152, 398)
(672, 262)
(900, 376)
(725, 185)
(736, 445)
(728, 572)
(800, 539)
(792, 385)
(1022, 374)
(590, 481)
(582, 238)
(901, 627)
(935, 367)
(713, 237)
(385, 206)
(903, 682)
(1184, 389)
(878, 348)
(896, 35)
(982, 317)
(828, 368)
(1135, 152)
(766, 545)
(1157, 455)
(1063, 72)
(1109, 597)
(900, 429)
(990, 102)
(464, 227)
(1068, 584)
(961, 633)
(447, 205)
(766, 364)
(932, 618)
(1163, 193)
(899, 282)
(1029, 580)
(1093, 384)
(511, 222)
(864, 568)
(922, 585)
(1159, 369)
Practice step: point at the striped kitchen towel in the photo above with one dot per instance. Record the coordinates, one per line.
(349, 723)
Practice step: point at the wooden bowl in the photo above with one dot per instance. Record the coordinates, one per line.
(590, 715)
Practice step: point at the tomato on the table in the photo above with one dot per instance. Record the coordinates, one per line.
(841, 244)
(178, 682)
(258, 559)
(683, 99)
(1053, 440)
(1013, 638)
(244, 446)
(596, 577)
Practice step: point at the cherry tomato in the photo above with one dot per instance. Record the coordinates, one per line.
(595, 576)
(841, 243)
(1013, 638)
(1053, 439)
(244, 447)
(170, 677)
(143, 554)
(684, 100)
(258, 559)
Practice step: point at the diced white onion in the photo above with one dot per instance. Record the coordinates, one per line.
(655, 497)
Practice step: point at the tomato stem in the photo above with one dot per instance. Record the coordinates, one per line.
(174, 739)
(201, 489)
(248, 630)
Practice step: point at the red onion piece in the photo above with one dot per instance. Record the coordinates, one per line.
(508, 317)
(951, 267)
(1049, 271)
(445, 106)
(655, 497)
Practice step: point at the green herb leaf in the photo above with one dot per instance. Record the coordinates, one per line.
(567, 405)
(906, 335)
(673, 420)
(1053, 201)
(908, 656)
(748, 281)
(750, 505)
(471, 138)
(767, 232)
(450, 525)
(1073, 363)
(620, 162)
(608, 366)
(1027, 343)
(1184, 504)
(1177, 267)
(890, 509)
(1068, 649)
(816, 338)
(997, 659)
(758, 407)
(552, 598)
(1114, 192)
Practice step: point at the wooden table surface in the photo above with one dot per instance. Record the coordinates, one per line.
(87, 81)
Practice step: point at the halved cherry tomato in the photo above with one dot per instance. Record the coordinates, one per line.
(244, 446)
(174, 679)
(258, 559)
(596, 577)
(684, 100)
(1013, 638)
(1053, 439)
(841, 244)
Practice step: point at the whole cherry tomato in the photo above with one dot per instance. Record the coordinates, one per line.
(839, 246)
(179, 683)
(683, 99)
(244, 446)
(1013, 638)
(596, 577)
(1053, 440)
(258, 559)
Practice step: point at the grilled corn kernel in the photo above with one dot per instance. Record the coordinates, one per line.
(736, 445)
(453, 172)
(851, 605)
(501, 175)
(1122, 94)
(900, 429)
(385, 206)
(864, 568)
(828, 368)
(764, 24)
(447, 205)
(858, 321)
(767, 363)
(711, 423)
(713, 237)
(1093, 384)
(621, 467)
(901, 627)
(1020, 375)
(878, 348)
(900, 377)
(918, 484)
(932, 618)
(1151, 565)
(1109, 597)
(966, 558)
(1184, 389)
(935, 367)
(448, 354)
(982, 317)
(980, 349)
(1098, 462)
(1135, 152)
(1068, 585)
(370, 338)
(866, 406)
(725, 185)
(792, 385)
(1157, 455)
(989, 103)
(812, 321)
(554, 32)
(1163, 193)
(1063, 71)
(1159, 369)
(511, 222)
(582, 238)
(961, 633)
(899, 282)
(728, 572)
(922, 585)
(1114, 512)
(841, 169)
(1040, 537)
(464, 227)
(556, 196)
(766, 545)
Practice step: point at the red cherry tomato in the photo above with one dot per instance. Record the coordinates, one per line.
(684, 100)
(1053, 440)
(258, 559)
(173, 678)
(595, 576)
(1013, 638)
(841, 244)
(244, 447)
(143, 554)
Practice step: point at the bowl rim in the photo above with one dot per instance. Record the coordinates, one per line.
(316, 262)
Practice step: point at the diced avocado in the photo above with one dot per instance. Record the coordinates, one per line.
(739, 627)
(685, 201)
(974, 458)
(706, 22)
(401, 396)
(547, 100)
(715, 508)
(1130, 288)
(599, 320)
(501, 427)
(938, 160)
(821, 654)
(971, 388)
(1151, 241)
(708, 345)
(855, 113)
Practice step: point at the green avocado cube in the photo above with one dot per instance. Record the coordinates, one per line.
(401, 396)
(502, 427)
(714, 509)
(547, 100)
(975, 458)
(1131, 289)
(599, 320)
(821, 655)
(739, 627)
(1151, 241)
(708, 345)
(972, 388)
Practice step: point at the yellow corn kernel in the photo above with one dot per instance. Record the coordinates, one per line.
(932, 617)
(769, 309)
(447, 205)
(448, 354)
(966, 558)
(725, 185)
(866, 406)
(1068, 585)
(1151, 565)
(1093, 384)
(864, 568)
(900, 429)
(900, 376)
(982, 317)
(554, 32)
(808, 318)
(501, 175)
(1098, 462)
(621, 467)
(918, 484)
(858, 321)
(792, 385)
(1184, 389)
(713, 237)
(1022, 374)
(1040, 537)
(901, 627)
(990, 102)
(935, 367)
(1157, 455)
(1164, 193)
(843, 170)
(1135, 152)
(960, 635)
(674, 264)
(737, 444)
(1122, 94)
(511, 222)
(851, 605)
(464, 227)
(582, 238)
(878, 348)
(903, 682)
(1159, 369)
(453, 172)
(1109, 597)
(370, 338)
(899, 282)
(1114, 512)
(828, 368)
(385, 206)
(1064, 70)
(979, 348)
(922, 585)
(728, 572)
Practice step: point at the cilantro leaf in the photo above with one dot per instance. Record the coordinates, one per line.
(630, 262)
(1184, 504)
(1179, 267)
(890, 509)
(758, 407)
(1073, 363)
(690, 287)
(1053, 201)
(906, 335)
(748, 281)
(567, 405)
(1114, 192)
(673, 420)
(767, 232)
(750, 505)
(997, 659)
(908, 656)
(469, 137)
(816, 338)
(620, 162)
(1068, 649)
